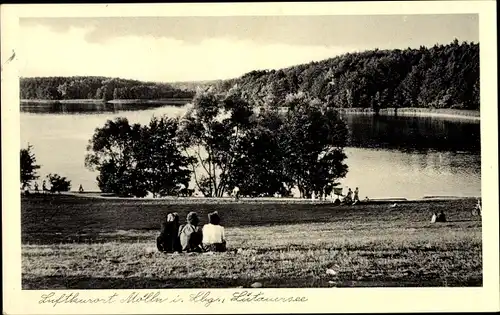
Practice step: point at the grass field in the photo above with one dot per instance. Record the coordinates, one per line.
(76, 242)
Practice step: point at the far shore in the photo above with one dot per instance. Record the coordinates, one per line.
(169, 101)
(418, 112)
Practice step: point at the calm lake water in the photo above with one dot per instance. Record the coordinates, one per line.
(387, 156)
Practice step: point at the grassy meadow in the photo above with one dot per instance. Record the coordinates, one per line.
(74, 242)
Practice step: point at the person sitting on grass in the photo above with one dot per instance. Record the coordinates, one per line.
(433, 218)
(191, 235)
(441, 217)
(213, 234)
(168, 241)
(438, 217)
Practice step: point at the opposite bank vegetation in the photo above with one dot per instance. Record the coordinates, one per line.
(439, 77)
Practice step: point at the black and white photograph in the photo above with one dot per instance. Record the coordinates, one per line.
(250, 152)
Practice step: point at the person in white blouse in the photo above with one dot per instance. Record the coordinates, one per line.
(213, 234)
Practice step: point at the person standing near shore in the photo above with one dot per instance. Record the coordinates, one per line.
(348, 197)
(356, 196)
(236, 193)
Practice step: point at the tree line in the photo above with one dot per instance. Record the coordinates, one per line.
(223, 142)
(443, 76)
(99, 88)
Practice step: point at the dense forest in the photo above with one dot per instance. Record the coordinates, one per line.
(102, 88)
(443, 76)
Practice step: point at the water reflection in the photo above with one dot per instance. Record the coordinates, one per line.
(89, 108)
(413, 134)
(392, 173)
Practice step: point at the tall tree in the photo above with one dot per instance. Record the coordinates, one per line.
(111, 151)
(162, 166)
(133, 160)
(314, 138)
(28, 167)
(258, 168)
(209, 133)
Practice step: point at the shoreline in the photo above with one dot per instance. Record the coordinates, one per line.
(474, 115)
(261, 200)
(166, 101)
(417, 112)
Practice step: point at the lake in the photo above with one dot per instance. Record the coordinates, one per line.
(388, 156)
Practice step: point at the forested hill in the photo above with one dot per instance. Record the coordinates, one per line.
(443, 76)
(80, 87)
(193, 85)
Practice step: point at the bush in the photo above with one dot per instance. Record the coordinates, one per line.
(58, 183)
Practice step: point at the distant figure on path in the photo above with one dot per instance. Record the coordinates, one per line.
(236, 193)
(168, 240)
(80, 189)
(214, 239)
(36, 188)
(44, 187)
(191, 235)
(356, 196)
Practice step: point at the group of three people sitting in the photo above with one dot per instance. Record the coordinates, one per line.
(190, 237)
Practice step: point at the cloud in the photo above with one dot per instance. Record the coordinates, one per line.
(203, 48)
(364, 31)
(47, 52)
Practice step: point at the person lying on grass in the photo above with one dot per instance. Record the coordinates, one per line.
(168, 240)
(213, 234)
(191, 235)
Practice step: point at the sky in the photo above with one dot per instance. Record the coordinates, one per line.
(172, 49)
